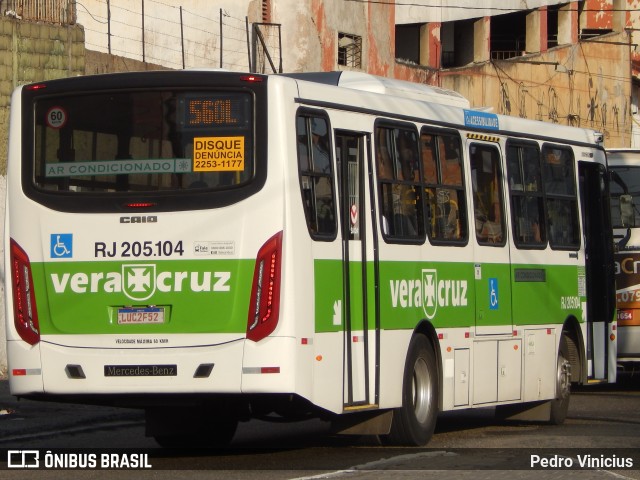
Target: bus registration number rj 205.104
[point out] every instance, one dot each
(138, 315)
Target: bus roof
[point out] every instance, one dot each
(412, 101)
(387, 86)
(393, 98)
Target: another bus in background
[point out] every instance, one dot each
(624, 166)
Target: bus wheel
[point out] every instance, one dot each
(414, 422)
(560, 405)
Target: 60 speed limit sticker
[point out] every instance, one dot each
(56, 117)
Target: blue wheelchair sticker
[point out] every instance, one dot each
(61, 245)
(493, 293)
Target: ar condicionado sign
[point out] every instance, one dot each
(218, 154)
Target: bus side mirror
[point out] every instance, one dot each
(627, 216)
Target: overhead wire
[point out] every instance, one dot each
(197, 52)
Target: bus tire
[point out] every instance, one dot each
(413, 423)
(560, 405)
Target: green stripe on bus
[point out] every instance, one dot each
(452, 295)
(211, 296)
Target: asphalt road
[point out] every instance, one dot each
(603, 425)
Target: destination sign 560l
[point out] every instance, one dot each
(213, 110)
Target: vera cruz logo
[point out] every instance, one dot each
(428, 292)
(139, 281)
(429, 282)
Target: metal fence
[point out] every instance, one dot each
(61, 12)
(178, 36)
(162, 32)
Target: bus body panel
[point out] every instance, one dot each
(350, 301)
(392, 364)
(628, 341)
(25, 367)
(271, 366)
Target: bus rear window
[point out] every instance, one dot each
(143, 141)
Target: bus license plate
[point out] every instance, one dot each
(140, 315)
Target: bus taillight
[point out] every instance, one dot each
(265, 292)
(25, 313)
(36, 86)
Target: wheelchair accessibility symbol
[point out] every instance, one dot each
(61, 245)
(493, 293)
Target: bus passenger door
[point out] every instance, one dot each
(355, 228)
(492, 270)
(598, 239)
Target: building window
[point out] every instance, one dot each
(552, 25)
(349, 50)
(408, 42)
(266, 11)
(457, 43)
(508, 35)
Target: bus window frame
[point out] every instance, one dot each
(392, 181)
(499, 164)
(575, 197)
(304, 112)
(462, 211)
(518, 143)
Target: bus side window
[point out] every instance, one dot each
(561, 200)
(444, 188)
(527, 200)
(398, 173)
(487, 194)
(316, 176)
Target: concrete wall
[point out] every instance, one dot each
(588, 88)
(173, 34)
(97, 63)
(418, 11)
(31, 52)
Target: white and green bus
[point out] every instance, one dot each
(624, 164)
(213, 247)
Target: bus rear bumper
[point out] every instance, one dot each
(54, 369)
(228, 366)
